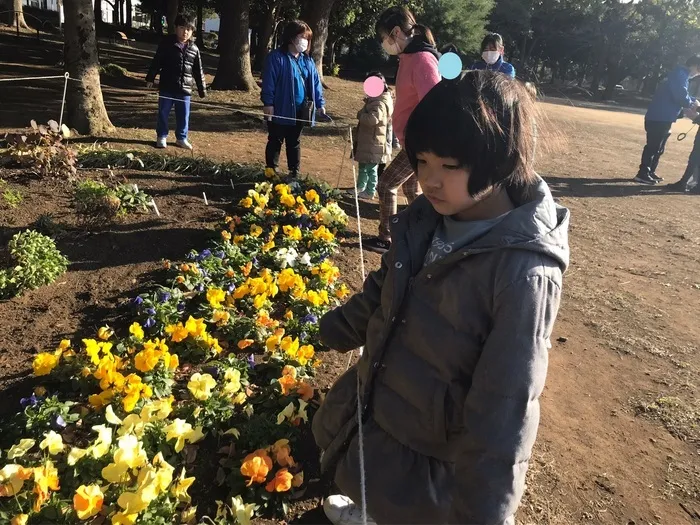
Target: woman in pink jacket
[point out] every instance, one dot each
(418, 73)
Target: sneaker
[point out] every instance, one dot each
(183, 143)
(644, 178)
(680, 187)
(367, 195)
(377, 245)
(656, 177)
(162, 142)
(341, 510)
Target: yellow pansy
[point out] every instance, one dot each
(225, 235)
(290, 346)
(20, 449)
(179, 430)
(246, 202)
(121, 518)
(221, 317)
(53, 442)
(196, 327)
(20, 519)
(177, 333)
(323, 233)
(312, 196)
(255, 230)
(75, 455)
(44, 363)
(136, 330)
(45, 480)
(12, 478)
(244, 512)
(180, 488)
(232, 376)
(88, 501)
(293, 232)
(105, 333)
(268, 246)
(146, 360)
(201, 385)
(288, 200)
(215, 296)
(103, 442)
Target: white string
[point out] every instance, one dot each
(30, 78)
(360, 433)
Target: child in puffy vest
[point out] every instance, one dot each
(455, 324)
(179, 64)
(373, 145)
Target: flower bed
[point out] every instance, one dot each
(222, 356)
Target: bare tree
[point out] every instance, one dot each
(316, 13)
(18, 14)
(234, 70)
(85, 108)
(267, 32)
(172, 9)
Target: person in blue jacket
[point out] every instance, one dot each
(289, 79)
(670, 99)
(492, 56)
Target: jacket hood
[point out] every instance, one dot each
(419, 45)
(536, 224)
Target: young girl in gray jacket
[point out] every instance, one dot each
(455, 324)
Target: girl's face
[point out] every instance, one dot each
(444, 183)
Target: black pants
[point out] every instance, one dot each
(291, 136)
(693, 168)
(657, 135)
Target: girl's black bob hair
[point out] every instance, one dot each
(484, 120)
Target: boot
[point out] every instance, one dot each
(682, 185)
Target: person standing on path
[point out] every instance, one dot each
(692, 171)
(669, 100)
(418, 73)
(290, 83)
(179, 64)
(492, 50)
(373, 144)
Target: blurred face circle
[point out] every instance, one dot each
(183, 33)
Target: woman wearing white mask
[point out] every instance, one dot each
(417, 75)
(492, 56)
(291, 95)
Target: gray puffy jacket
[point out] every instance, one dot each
(455, 361)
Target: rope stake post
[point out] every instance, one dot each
(63, 101)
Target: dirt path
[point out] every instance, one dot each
(619, 440)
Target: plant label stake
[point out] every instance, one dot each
(231, 181)
(206, 202)
(155, 208)
(136, 188)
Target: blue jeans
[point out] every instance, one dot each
(182, 115)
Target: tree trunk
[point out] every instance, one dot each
(234, 70)
(316, 13)
(200, 23)
(129, 13)
(97, 10)
(267, 33)
(157, 21)
(85, 108)
(171, 14)
(18, 14)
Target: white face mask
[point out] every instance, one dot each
(390, 47)
(490, 57)
(302, 44)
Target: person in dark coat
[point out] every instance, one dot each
(670, 99)
(180, 66)
(290, 79)
(692, 170)
(455, 324)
